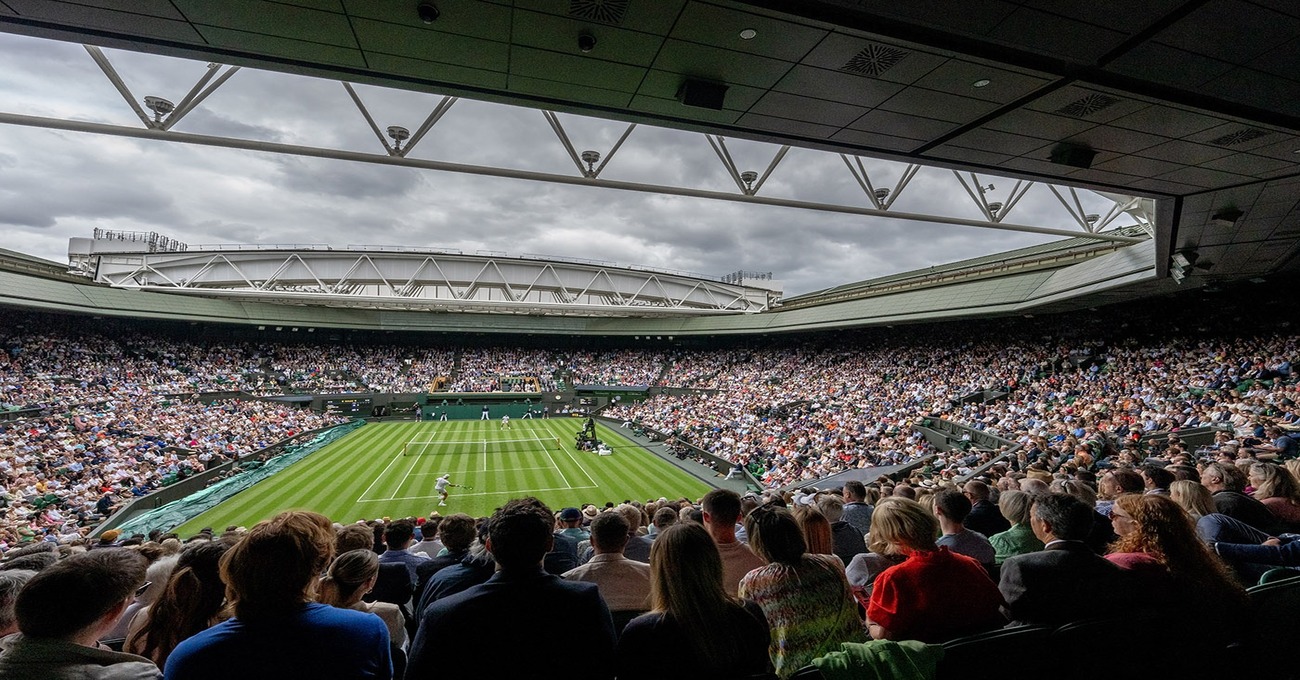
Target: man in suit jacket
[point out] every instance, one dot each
(1066, 581)
(508, 625)
(984, 517)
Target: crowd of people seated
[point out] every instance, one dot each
(62, 474)
(756, 586)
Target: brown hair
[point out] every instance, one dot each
(775, 535)
(816, 530)
(273, 569)
(347, 574)
(686, 586)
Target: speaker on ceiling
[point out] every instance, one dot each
(702, 94)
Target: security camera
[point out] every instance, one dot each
(586, 42)
(428, 12)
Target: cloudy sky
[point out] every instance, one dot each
(56, 185)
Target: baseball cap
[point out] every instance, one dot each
(570, 514)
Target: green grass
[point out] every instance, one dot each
(365, 474)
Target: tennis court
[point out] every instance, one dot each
(389, 470)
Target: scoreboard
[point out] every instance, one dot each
(349, 406)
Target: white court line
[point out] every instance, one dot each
(520, 492)
(385, 471)
(541, 467)
(547, 451)
(485, 461)
(575, 461)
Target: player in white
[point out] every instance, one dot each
(441, 487)
(505, 422)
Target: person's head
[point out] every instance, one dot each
(1192, 497)
(1060, 516)
(354, 537)
(11, 581)
(1219, 476)
(398, 535)
(1015, 506)
(1274, 481)
(1075, 488)
(976, 491)
(775, 535)
(570, 518)
(664, 517)
(686, 585)
(632, 514)
(832, 507)
(609, 533)
(1155, 525)
(816, 530)
(1155, 477)
(349, 577)
(1033, 486)
(273, 570)
(80, 595)
(191, 598)
(854, 492)
(519, 534)
(721, 508)
(457, 531)
(904, 525)
(952, 505)
(1120, 481)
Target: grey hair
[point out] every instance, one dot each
(11, 581)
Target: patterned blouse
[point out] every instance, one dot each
(809, 608)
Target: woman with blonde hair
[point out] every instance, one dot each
(1159, 544)
(710, 633)
(934, 595)
(1279, 491)
(278, 631)
(816, 530)
(1192, 497)
(351, 576)
(805, 597)
(192, 600)
(1020, 538)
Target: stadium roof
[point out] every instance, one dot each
(1193, 103)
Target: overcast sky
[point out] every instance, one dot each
(57, 185)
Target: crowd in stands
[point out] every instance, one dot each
(756, 586)
(485, 369)
(64, 473)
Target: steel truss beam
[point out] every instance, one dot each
(430, 280)
(747, 182)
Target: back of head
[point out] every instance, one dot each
(632, 514)
(69, 596)
(11, 581)
(1075, 488)
(272, 571)
(665, 517)
(457, 532)
(903, 523)
(347, 573)
(354, 537)
(774, 534)
(609, 532)
(832, 507)
(1194, 498)
(722, 506)
(1276, 482)
(685, 567)
(953, 504)
(1067, 517)
(855, 491)
(817, 535)
(191, 597)
(519, 534)
(1015, 505)
(979, 491)
(398, 534)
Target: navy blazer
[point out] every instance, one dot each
(511, 627)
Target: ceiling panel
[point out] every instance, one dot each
(445, 48)
(150, 17)
(809, 81)
(956, 75)
(721, 27)
(560, 34)
(892, 62)
(938, 105)
(724, 66)
(813, 110)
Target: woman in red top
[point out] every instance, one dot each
(934, 595)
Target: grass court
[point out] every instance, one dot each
(389, 469)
